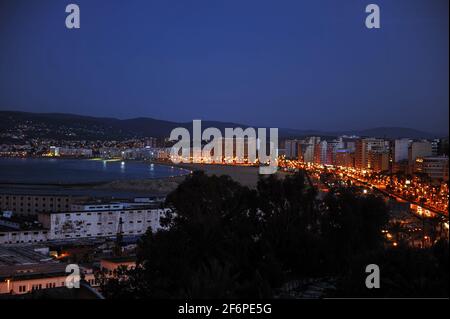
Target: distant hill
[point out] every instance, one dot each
(72, 126)
(396, 132)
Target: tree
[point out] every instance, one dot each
(405, 272)
(224, 240)
(352, 224)
(209, 249)
(289, 222)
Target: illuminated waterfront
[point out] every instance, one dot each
(418, 210)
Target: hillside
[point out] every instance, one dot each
(23, 125)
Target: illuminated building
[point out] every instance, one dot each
(378, 160)
(435, 167)
(70, 152)
(301, 148)
(332, 148)
(22, 279)
(320, 152)
(362, 148)
(344, 157)
(418, 149)
(31, 268)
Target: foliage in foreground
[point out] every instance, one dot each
(224, 240)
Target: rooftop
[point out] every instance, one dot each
(22, 255)
(96, 208)
(38, 270)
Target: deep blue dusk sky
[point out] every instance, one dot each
(301, 64)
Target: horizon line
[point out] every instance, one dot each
(231, 122)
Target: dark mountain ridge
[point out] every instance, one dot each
(58, 125)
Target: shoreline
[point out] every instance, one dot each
(246, 175)
(157, 185)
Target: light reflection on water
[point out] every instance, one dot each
(74, 171)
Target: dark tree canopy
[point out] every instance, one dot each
(224, 240)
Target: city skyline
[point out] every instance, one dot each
(224, 157)
(252, 63)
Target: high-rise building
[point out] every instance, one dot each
(332, 148)
(308, 155)
(401, 149)
(301, 148)
(307, 149)
(418, 149)
(378, 160)
(291, 147)
(344, 157)
(362, 148)
(320, 152)
(435, 147)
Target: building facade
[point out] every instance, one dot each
(23, 279)
(435, 167)
(401, 149)
(418, 149)
(88, 221)
(362, 148)
(23, 204)
(85, 221)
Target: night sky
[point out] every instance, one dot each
(299, 64)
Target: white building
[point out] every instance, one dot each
(401, 149)
(12, 236)
(308, 155)
(89, 221)
(101, 220)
